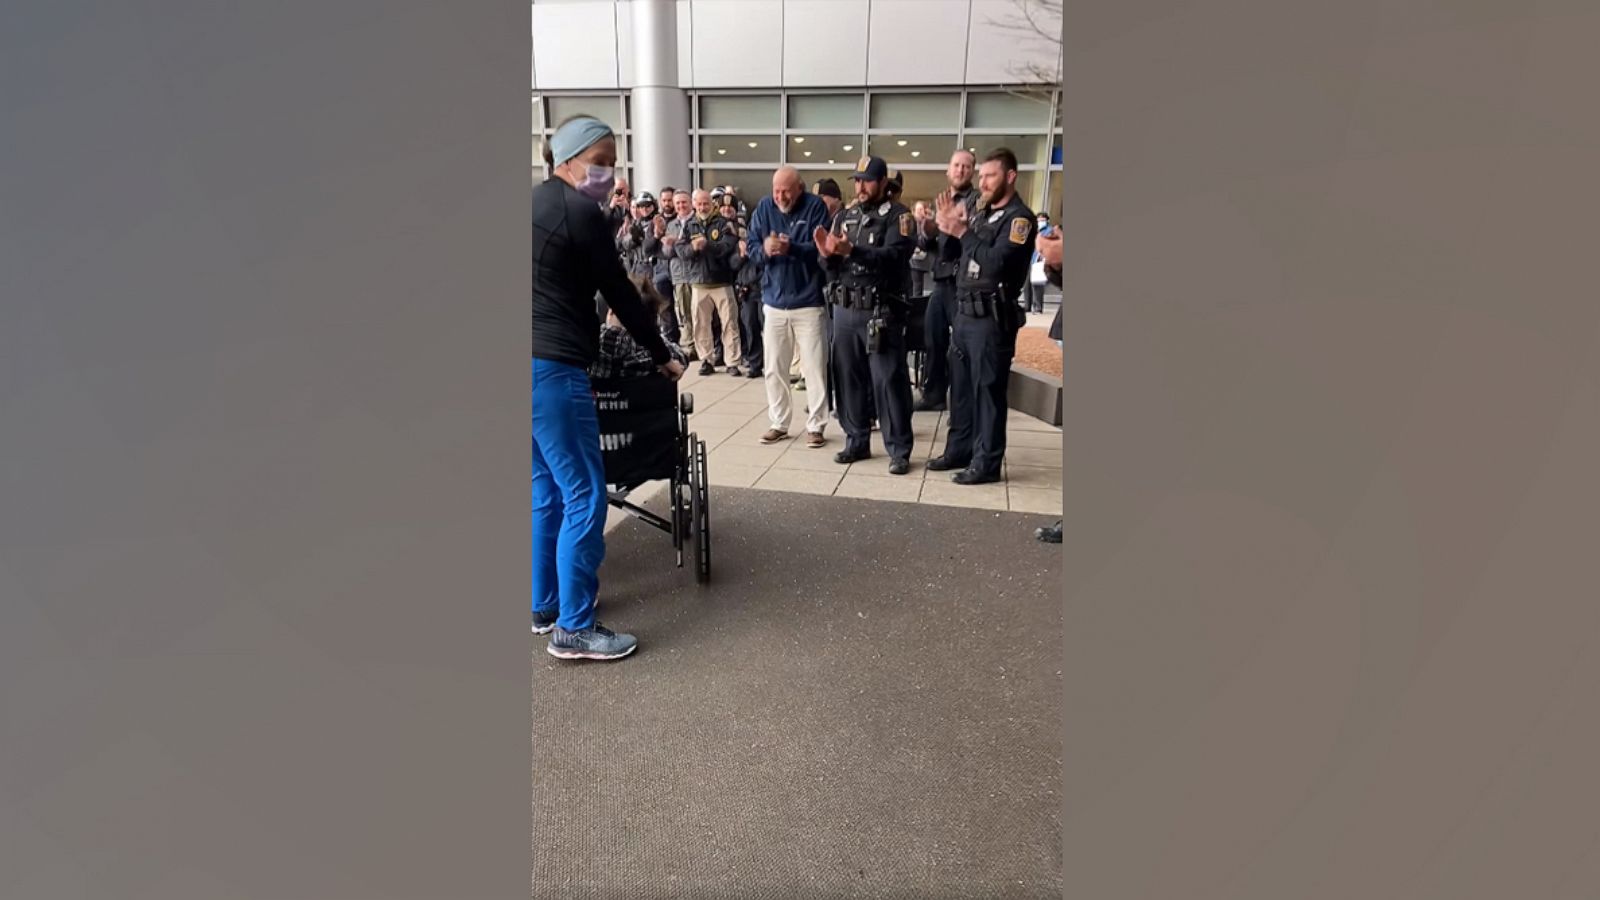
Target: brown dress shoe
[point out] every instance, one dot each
(773, 436)
(814, 440)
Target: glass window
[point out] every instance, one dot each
(1029, 148)
(841, 175)
(538, 116)
(837, 111)
(751, 184)
(744, 113)
(922, 185)
(1002, 110)
(1053, 198)
(739, 148)
(912, 149)
(916, 111)
(602, 107)
(1030, 186)
(825, 149)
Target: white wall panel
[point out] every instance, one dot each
(735, 43)
(918, 42)
(625, 76)
(574, 45)
(996, 55)
(685, 44)
(824, 43)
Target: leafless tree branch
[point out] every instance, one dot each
(1034, 21)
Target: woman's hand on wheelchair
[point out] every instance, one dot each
(672, 369)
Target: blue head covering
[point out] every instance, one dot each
(575, 137)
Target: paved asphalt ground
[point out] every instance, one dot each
(865, 702)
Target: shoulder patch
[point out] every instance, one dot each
(884, 209)
(1019, 230)
(714, 233)
(905, 224)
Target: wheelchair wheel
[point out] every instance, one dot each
(702, 514)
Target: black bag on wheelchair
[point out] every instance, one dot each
(639, 438)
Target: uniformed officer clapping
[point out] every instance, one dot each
(869, 252)
(996, 249)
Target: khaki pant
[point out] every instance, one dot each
(786, 332)
(719, 297)
(683, 299)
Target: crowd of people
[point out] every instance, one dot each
(803, 279)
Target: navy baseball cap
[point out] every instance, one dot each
(871, 168)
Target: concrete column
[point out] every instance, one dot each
(660, 106)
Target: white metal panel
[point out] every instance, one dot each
(736, 43)
(1000, 55)
(825, 43)
(574, 45)
(918, 42)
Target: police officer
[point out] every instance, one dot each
(996, 249)
(945, 253)
(869, 250)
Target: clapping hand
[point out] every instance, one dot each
(824, 241)
(1049, 247)
(699, 243)
(773, 245)
(842, 245)
(952, 215)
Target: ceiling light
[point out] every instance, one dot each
(799, 140)
(752, 145)
(901, 143)
(808, 153)
(722, 151)
(849, 147)
(830, 162)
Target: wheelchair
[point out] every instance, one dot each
(645, 436)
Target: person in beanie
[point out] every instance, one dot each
(574, 259)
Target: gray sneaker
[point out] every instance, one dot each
(597, 642)
(545, 622)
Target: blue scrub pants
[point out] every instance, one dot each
(569, 495)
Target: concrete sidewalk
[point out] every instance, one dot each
(731, 413)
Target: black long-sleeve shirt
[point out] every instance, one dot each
(574, 257)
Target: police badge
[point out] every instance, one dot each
(1019, 230)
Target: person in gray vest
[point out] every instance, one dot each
(996, 249)
(678, 266)
(867, 252)
(945, 253)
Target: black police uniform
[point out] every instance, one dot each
(945, 255)
(870, 308)
(996, 253)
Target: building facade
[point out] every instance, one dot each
(748, 85)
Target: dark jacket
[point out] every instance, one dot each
(793, 281)
(882, 238)
(574, 258)
(944, 252)
(1054, 277)
(640, 247)
(713, 264)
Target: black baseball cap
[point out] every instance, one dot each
(827, 187)
(871, 168)
(645, 199)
